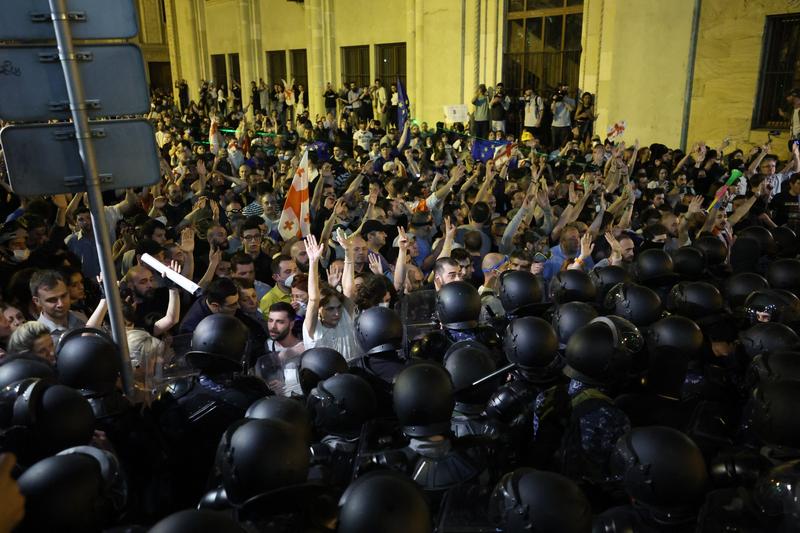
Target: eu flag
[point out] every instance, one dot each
(321, 148)
(483, 150)
(403, 110)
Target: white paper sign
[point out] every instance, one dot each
(456, 113)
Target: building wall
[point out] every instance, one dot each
(727, 70)
(451, 45)
(636, 57)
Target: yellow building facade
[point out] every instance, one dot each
(450, 45)
(676, 71)
(686, 70)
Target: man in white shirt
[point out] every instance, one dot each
(280, 366)
(562, 106)
(362, 136)
(534, 107)
(380, 109)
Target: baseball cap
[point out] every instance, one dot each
(526, 136)
(373, 225)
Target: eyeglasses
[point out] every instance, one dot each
(234, 211)
(251, 237)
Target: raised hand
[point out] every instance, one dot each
(403, 241)
(187, 240)
(375, 264)
(586, 245)
(449, 229)
(160, 202)
(346, 242)
(335, 272)
(175, 266)
(616, 247)
(695, 205)
(314, 249)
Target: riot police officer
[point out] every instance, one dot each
(194, 412)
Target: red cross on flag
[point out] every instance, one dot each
(502, 154)
(295, 219)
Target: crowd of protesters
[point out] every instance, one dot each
(400, 210)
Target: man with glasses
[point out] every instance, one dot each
(251, 245)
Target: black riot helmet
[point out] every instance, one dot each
(781, 365)
(767, 337)
(21, 368)
(379, 330)
(458, 305)
(219, 343)
(784, 274)
(661, 468)
(197, 521)
(259, 456)
(713, 248)
(284, 409)
(317, 364)
(786, 241)
(519, 290)
(467, 362)
(763, 236)
(677, 332)
(531, 343)
(115, 484)
(341, 404)
(67, 493)
(423, 399)
(694, 299)
(689, 262)
(572, 286)
(534, 501)
(88, 360)
(776, 496)
(568, 317)
(603, 278)
(636, 303)
(383, 501)
(773, 410)
(739, 286)
(57, 417)
(770, 304)
(602, 352)
(654, 267)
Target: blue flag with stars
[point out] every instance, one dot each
(321, 148)
(483, 150)
(403, 108)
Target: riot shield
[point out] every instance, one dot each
(418, 312)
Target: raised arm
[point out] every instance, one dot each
(314, 251)
(401, 267)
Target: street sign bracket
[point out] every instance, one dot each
(96, 133)
(80, 181)
(72, 16)
(52, 57)
(64, 106)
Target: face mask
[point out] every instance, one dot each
(383, 304)
(21, 255)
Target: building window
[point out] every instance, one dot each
(390, 63)
(276, 66)
(543, 44)
(299, 68)
(355, 65)
(780, 71)
(218, 70)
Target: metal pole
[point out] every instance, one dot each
(66, 53)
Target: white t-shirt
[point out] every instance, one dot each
(340, 338)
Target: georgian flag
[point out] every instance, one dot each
(295, 219)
